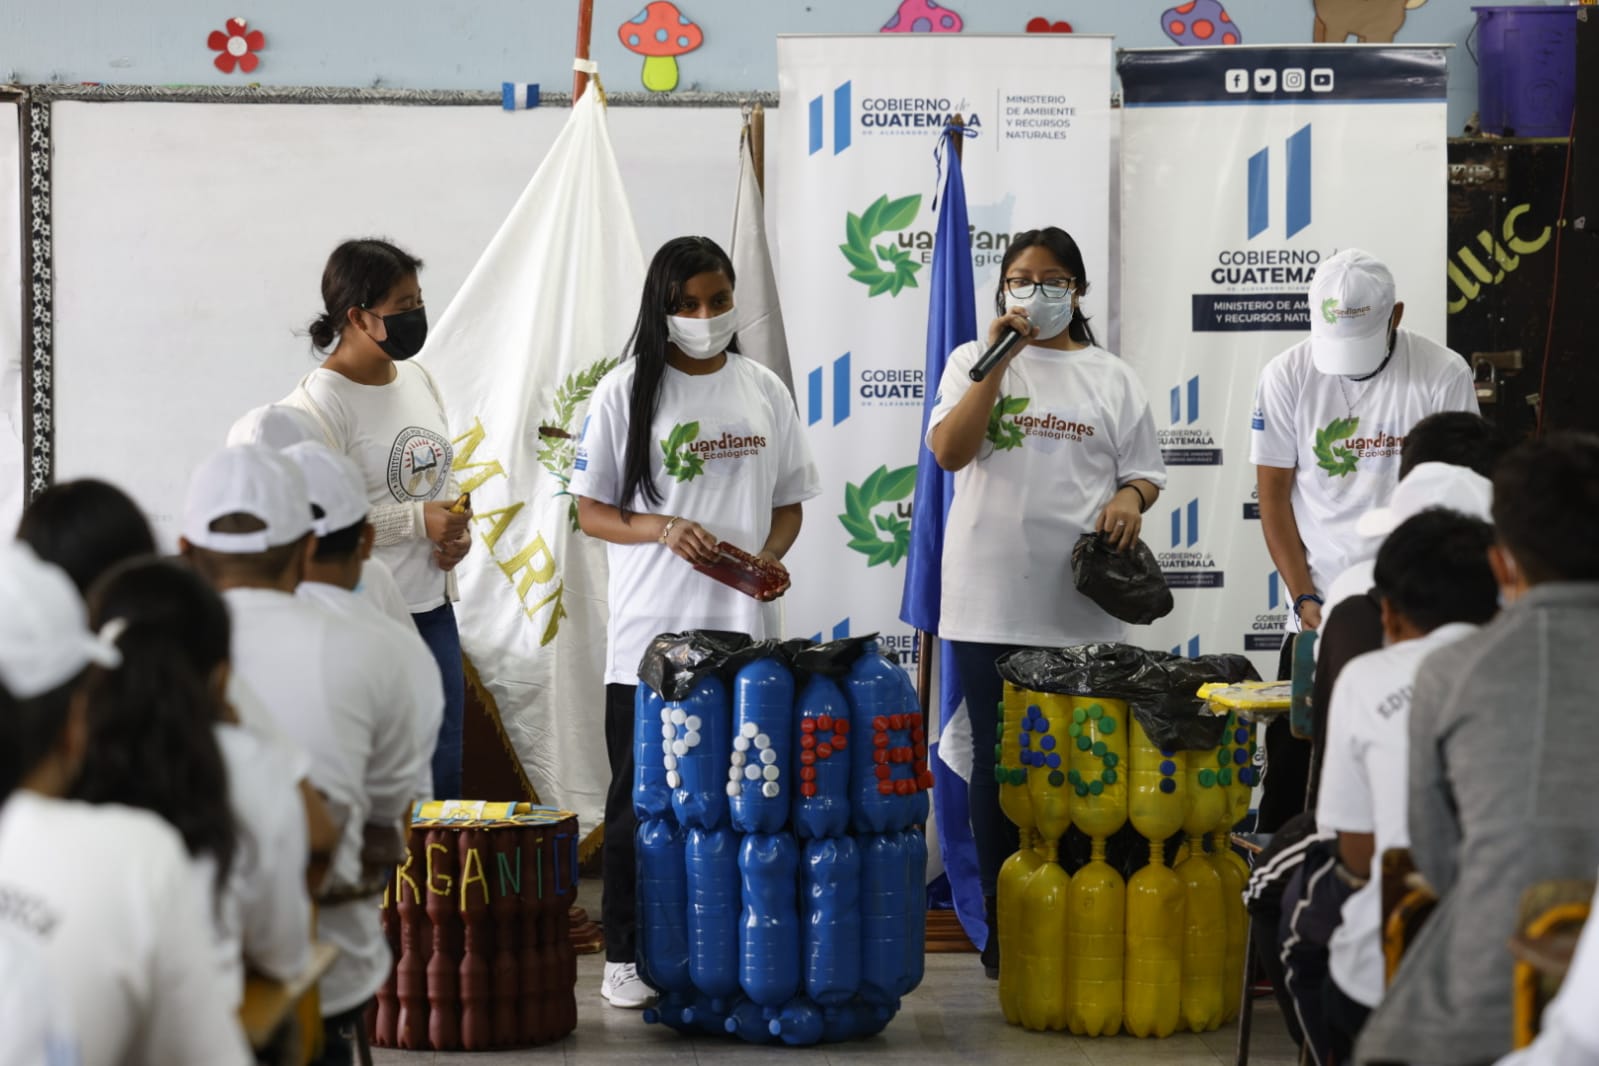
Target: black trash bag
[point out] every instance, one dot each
(1159, 687)
(833, 659)
(1127, 585)
(674, 663)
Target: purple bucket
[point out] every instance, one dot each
(1527, 81)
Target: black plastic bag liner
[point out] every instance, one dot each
(1127, 585)
(675, 662)
(833, 659)
(1160, 687)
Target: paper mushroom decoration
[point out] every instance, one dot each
(923, 16)
(660, 33)
(1201, 22)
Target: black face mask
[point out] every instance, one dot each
(406, 333)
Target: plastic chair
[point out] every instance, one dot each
(1552, 916)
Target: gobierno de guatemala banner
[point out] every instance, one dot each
(1244, 168)
(859, 121)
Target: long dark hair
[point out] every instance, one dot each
(85, 527)
(151, 739)
(30, 729)
(359, 274)
(1058, 243)
(678, 260)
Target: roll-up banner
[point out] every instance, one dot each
(859, 120)
(1244, 168)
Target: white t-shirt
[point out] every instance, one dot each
(1364, 780)
(34, 1027)
(379, 588)
(1343, 437)
(408, 651)
(1070, 428)
(106, 894)
(399, 437)
(264, 921)
(737, 453)
(332, 687)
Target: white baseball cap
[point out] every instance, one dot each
(44, 631)
(1351, 304)
(249, 479)
(275, 425)
(333, 483)
(1428, 485)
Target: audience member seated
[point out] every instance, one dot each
(329, 685)
(1435, 587)
(1502, 751)
(104, 892)
(162, 738)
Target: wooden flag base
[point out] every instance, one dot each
(945, 935)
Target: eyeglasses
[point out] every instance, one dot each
(1023, 288)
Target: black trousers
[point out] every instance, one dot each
(339, 1038)
(1345, 1018)
(619, 905)
(1283, 790)
(994, 835)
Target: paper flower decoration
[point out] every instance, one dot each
(923, 16)
(660, 33)
(1043, 25)
(1201, 22)
(237, 46)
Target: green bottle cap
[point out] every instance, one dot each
(1111, 758)
(1207, 778)
(1099, 748)
(1109, 777)
(1083, 743)
(1107, 725)
(1096, 787)
(1096, 711)
(1079, 715)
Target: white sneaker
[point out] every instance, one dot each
(624, 988)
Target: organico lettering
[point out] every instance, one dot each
(1508, 259)
(533, 564)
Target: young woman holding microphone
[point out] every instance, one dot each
(1057, 440)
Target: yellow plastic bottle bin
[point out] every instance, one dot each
(1046, 910)
(1012, 894)
(1205, 938)
(1096, 931)
(1237, 780)
(1010, 774)
(1156, 900)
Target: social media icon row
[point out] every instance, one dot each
(1290, 80)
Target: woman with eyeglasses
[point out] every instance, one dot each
(1056, 441)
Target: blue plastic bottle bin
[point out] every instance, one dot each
(1527, 81)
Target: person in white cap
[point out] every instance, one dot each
(1330, 417)
(103, 892)
(343, 550)
(277, 425)
(247, 527)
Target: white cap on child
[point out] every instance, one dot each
(1429, 485)
(275, 425)
(249, 479)
(44, 631)
(334, 484)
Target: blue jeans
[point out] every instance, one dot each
(444, 641)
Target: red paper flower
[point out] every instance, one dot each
(237, 46)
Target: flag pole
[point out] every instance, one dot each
(925, 641)
(585, 33)
(758, 145)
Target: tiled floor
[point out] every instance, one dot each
(952, 1018)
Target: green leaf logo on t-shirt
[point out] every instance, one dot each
(1003, 432)
(877, 531)
(1338, 461)
(681, 464)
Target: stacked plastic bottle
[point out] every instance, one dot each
(1086, 951)
(780, 851)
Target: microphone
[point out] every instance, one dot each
(997, 352)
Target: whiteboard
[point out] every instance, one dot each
(13, 454)
(190, 240)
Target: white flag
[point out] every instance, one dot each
(543, 315)
(760, 316)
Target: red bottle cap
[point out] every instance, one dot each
(839, 741)
(824, 751)
(825, 722)
(807, 725)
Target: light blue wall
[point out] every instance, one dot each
(477, 44)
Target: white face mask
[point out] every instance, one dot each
(702, 338)
(1050, 316)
